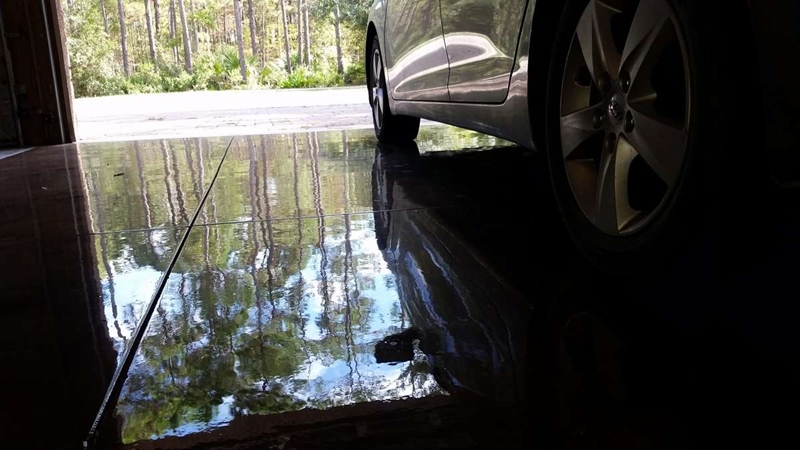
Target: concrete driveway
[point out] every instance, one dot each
(220, 113)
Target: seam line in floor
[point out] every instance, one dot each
(120, 375)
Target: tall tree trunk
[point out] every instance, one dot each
(286, 37)
(316, 190)
(187, 45)
(173, 25)
(123, 39)
(166, 150)
(263, 36)
(157, 11)
(224, 26)
(237, 10)
(109, 269)
(105, 15)
(251, 11)
(193, 27)
(150, 38)
(338, 30)
(299, 32)
(308, 33)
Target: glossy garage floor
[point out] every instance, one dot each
(193, 282)
(317, 290)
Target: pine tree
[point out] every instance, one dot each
(150, 37)
(338, 30)
(123, 39)
(286, 37)
(237, 5)
(105, 15)
(187, 46)
(252, 14)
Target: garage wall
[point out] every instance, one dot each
(38, 79)
(9, 134)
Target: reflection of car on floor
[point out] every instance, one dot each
(648, 110)
(579, 370)
(472, 342)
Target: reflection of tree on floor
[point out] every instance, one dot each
(148, 216)
(107, 266)
(242, 328)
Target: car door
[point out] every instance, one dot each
(416, 58)
(481, 38)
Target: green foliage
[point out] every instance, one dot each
(94, 69)
(304, 77)
(96, 64)
(355, 74)
(353, 13)
(273, 74)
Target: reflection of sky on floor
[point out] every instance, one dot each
(324, 375)
(137, 285)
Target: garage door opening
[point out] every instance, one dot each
(145, 69)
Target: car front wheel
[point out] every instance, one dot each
(638, 112)
(389, 128)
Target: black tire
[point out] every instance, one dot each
(389, 128)
(715, 71)
(387, 159)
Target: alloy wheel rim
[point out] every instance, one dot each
(624, 112)
(377, 89)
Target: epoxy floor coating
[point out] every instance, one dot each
(318, 290)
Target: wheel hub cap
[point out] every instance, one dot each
(616, 109)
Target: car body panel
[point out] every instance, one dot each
(508, 119)
(481, 38)
(416, 59)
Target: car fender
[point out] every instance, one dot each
(377, 19)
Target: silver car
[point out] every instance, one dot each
(636, 103)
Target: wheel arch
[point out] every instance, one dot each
(372, 33)
(376, 27)
(546, 18)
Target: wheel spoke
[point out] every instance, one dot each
(660, 144)
(377, 115)
(650, 17)
(376, 68)
(624, 156)
(576, 128)
(379, 108)
(597, 43)
(606, 194)
(377, 90)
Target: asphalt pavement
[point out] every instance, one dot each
(221, 113)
